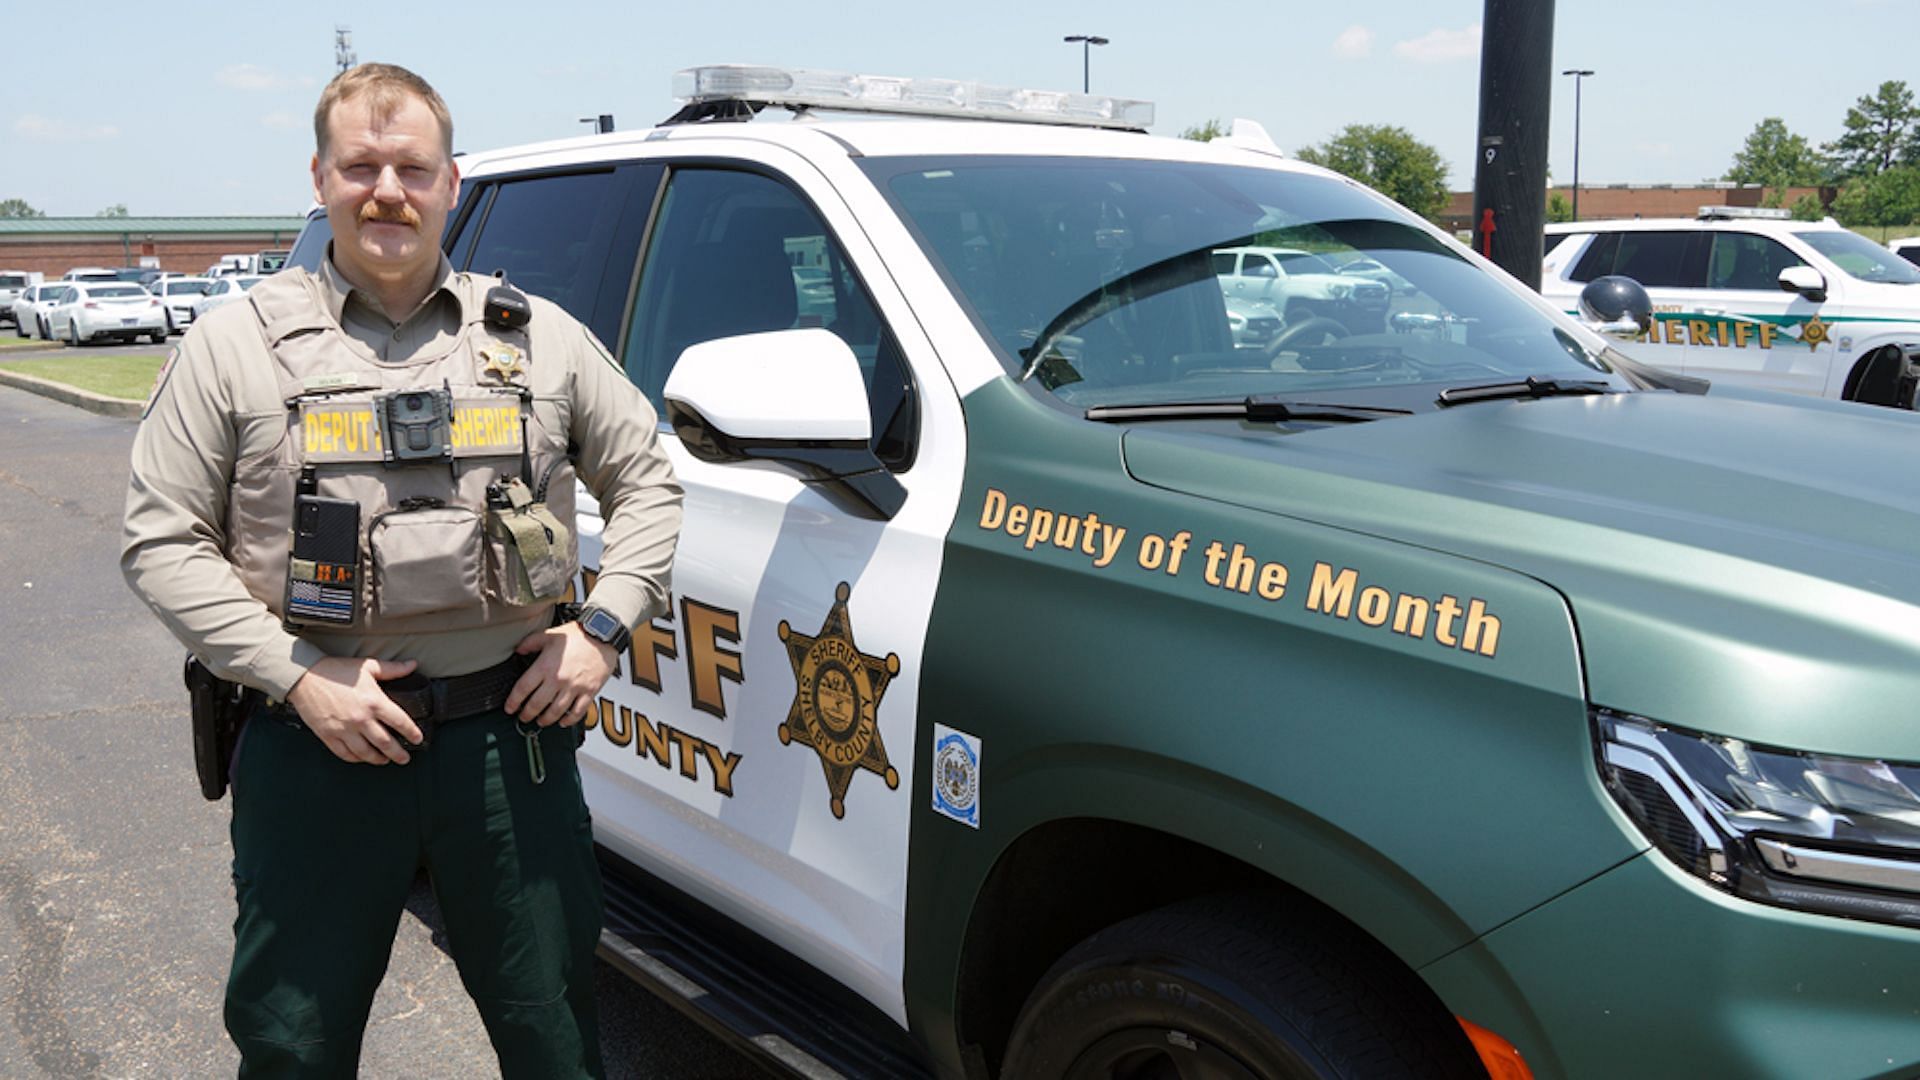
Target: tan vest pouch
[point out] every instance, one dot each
(425, 559)
(534, 547)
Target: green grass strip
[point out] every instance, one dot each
(125, 376)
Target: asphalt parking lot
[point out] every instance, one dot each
(115, 902)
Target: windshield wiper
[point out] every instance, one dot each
(1529, 387)
(1256, 407)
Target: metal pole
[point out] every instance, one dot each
(1579, 75)
(1087, 42)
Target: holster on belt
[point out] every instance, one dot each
(219, 710)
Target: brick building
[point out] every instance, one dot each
(54, 245)
(1605, 202)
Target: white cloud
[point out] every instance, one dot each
(48, 129)
(1440, 46)
(1353, 43)
(253, 77)
(281, 119)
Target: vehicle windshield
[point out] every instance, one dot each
(115, 292)
(12, 281)
(180, 288)
(1098, 280)
(246, 282)
(1860, 257)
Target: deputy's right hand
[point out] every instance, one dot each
(341, 700)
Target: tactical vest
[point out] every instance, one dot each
(434, 552)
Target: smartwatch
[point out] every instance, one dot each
(603, 625)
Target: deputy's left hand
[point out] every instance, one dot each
(565, 678)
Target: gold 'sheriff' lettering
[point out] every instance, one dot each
(707, 660)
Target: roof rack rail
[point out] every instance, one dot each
(735, 92)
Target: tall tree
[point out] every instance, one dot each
(17, 208)
(1880, 131)
(1777, 158)
(116, 210)
(1390, 160)
(1888, 197)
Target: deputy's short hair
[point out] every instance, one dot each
(385, 88)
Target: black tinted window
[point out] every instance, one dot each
(551, 235)
(739, 253)
(1597, 260)
(1664, 259)
(1747, 261)
(311, 246)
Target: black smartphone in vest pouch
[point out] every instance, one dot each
(323, 577)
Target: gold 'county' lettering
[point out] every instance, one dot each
(682, 752)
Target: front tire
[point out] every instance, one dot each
(1234, 988)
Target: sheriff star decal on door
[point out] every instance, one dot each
(836, 701)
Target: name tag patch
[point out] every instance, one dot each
(336, 431)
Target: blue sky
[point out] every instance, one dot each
(206, 109)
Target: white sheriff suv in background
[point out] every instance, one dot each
(1746, 296)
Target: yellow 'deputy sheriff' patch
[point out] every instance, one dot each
(836, 701)
(333, 431)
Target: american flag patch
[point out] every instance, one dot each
(322, 603)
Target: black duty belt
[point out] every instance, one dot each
(436, 701)
(432, 702)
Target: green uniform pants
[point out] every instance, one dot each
(325, 853)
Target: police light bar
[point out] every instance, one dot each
(796, 88)
(1729, 213)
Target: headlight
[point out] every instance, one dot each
(1339, 292)
(1830, 834)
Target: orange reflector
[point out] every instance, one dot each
(1503, 1062)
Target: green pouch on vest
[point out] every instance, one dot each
(536, 540)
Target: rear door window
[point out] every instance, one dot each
(553, 235)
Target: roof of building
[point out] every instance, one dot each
(117, 225)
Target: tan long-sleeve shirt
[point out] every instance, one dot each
(219, 401)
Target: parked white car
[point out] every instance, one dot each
(90, 273)
(12, 284)
(178, 295)
(223, 290)
(88, 311)
(30, 310)
(1301, 285)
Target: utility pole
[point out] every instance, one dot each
(343, 54)
(1510, 159)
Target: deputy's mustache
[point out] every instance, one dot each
(392, 215)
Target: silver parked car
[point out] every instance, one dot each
(88, 311)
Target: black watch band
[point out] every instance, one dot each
(603, 625)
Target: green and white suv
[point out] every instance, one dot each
(1054, 687)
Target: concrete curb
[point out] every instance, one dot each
(72, 395)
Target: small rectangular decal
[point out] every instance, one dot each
(956, 775)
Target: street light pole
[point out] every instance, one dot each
(1087, 42)
(1578, 74)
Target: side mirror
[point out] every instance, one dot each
(790, 396)
(1806, 281)
(1616, 306)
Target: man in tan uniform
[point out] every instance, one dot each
(366, 475)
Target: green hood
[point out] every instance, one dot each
(1746, 565)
